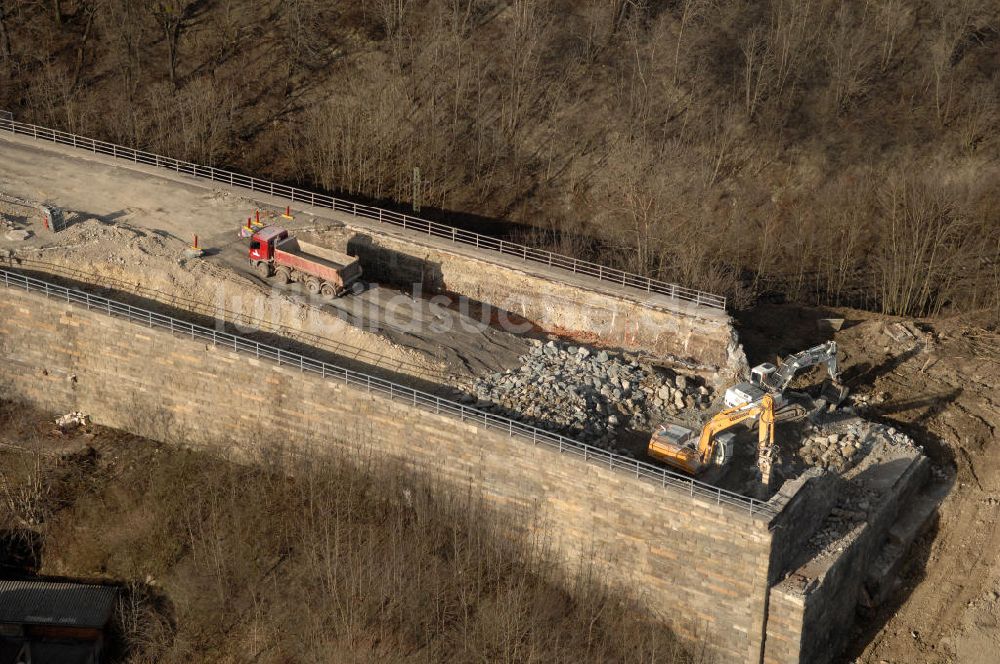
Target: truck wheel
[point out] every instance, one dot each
(283, 276)
(312, 286)
(328, 290)
(264, 270)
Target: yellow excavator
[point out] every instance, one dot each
(682, 449)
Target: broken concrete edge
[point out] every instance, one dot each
(813, 602)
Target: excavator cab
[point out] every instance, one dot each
(678, 446)
(761, 374)
(770, 379)
(693, 452)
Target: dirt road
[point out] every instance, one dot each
(93, 194)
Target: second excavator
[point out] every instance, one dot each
(772, 380)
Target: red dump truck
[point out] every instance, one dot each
(274, 253)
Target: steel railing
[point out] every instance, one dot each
(423, 226)
(238, 319)
(394, 391)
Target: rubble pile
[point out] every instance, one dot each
(71, 421)
(850, 512)
(856, 500)
(830, 451)
(838, 451)
(587, 395)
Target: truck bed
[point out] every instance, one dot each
(325, 263)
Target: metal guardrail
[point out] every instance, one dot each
(394, 391)
(236, 318)
(430, 228)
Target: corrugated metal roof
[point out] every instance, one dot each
(56, 603)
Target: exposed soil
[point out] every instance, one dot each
(937, 382)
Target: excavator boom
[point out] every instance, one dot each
(767, 378)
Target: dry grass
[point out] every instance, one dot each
(748, 148)
(277, 559)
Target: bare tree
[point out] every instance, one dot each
(756, 69)
(691, 10)
(392, 15)
(892, 18)
(925, 241)
(171, 16)
(122, 26)
(980, 118)
(304, 30)
(4, 33)
(791, 38)
(88, 9)
(849, 59)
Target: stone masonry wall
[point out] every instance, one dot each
(810, 621)
(702, 567)
(621, 317)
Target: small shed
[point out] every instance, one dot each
(54, 621)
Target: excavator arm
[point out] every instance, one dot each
(767, 453)
(791, 366)
(724, 420)
(671, 443)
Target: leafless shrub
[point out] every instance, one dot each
(979, 119)
(142, 630)
(24, 492)
(238, 560)
(849, 58)
(926, 241)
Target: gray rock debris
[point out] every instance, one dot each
(839, 451)
(585, 395)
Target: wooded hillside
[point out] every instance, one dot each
(827, 152)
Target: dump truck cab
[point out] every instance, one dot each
(262, 243)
